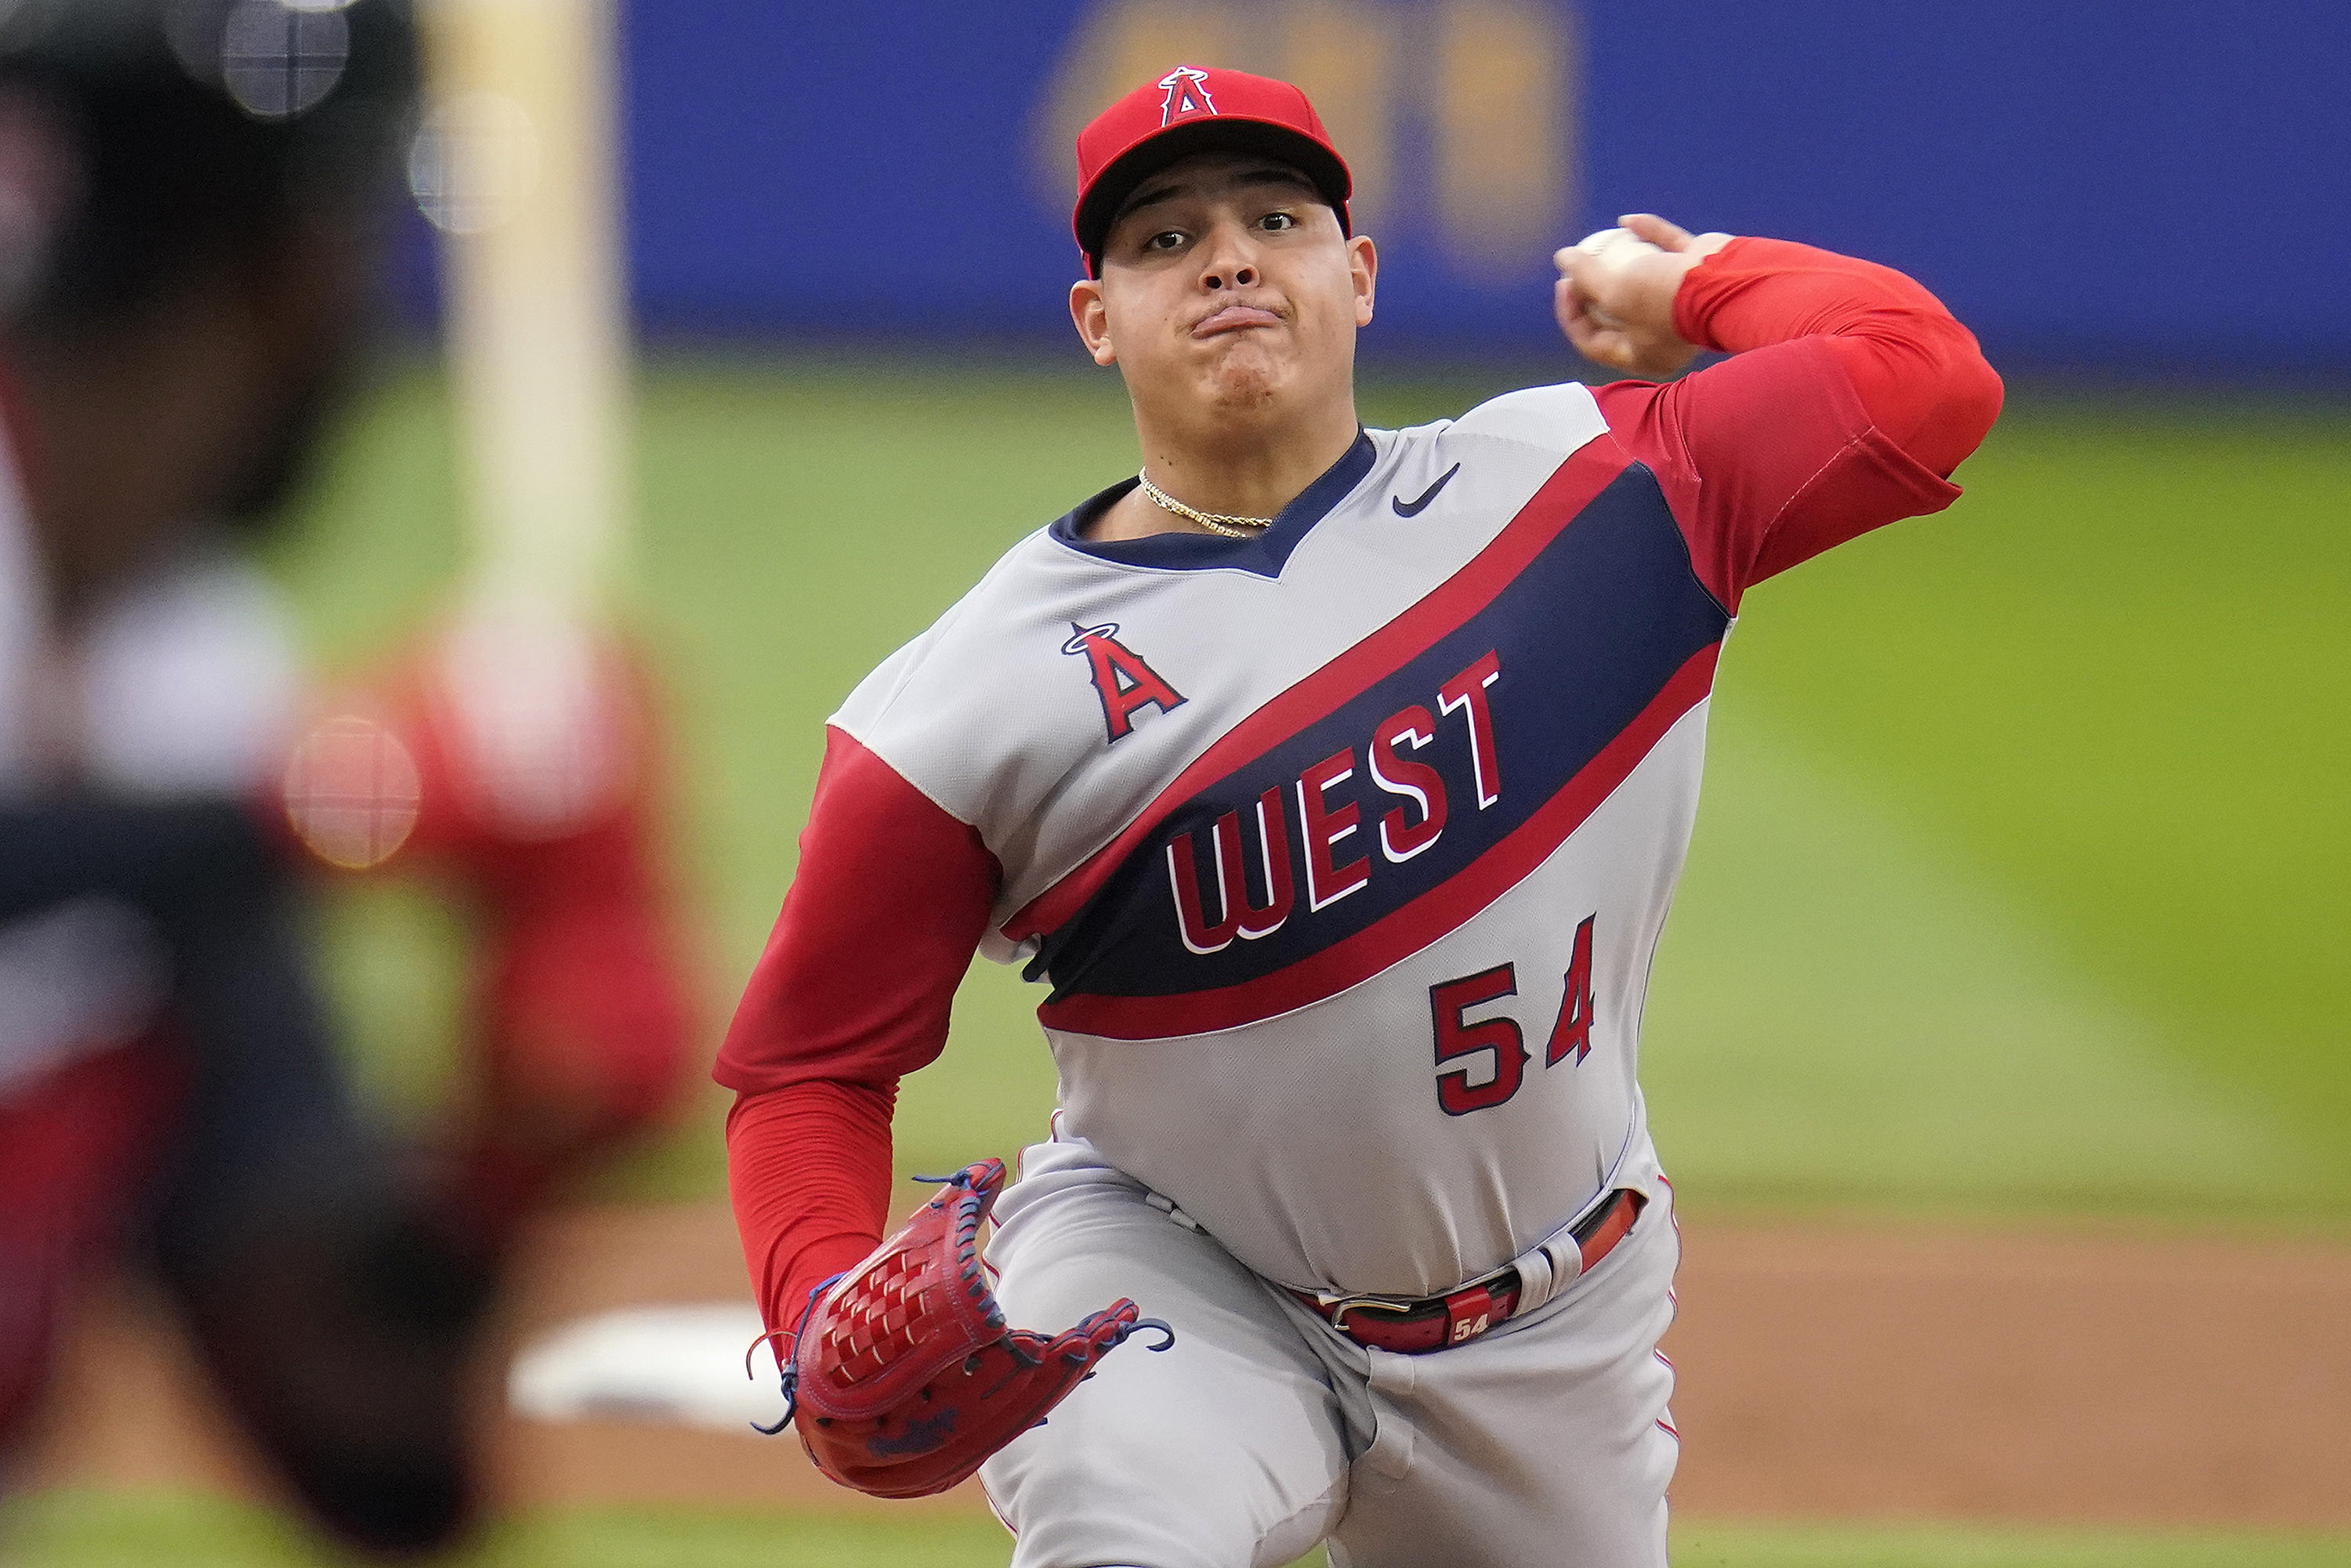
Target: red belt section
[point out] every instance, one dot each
(1437, 1322)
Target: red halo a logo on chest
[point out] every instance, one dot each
(1121, 679)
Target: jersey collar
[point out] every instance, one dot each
(1265, 554)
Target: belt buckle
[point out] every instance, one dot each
(1340, 1308)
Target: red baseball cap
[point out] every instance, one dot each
(1193, 111)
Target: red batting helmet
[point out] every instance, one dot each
(1193, 111)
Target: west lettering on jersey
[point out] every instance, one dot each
(1121, 679)
(1330, 871)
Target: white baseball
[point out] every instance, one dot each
(1598, 243)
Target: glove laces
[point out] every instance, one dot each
(789, 1363)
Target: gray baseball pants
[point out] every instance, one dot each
(1546, 1443)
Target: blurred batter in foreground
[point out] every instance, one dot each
(1337, 782)
(192, 197)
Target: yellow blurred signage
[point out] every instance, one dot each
(1487, 86)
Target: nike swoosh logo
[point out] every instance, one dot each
(1405, 509)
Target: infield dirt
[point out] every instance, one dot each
(1846, 1372)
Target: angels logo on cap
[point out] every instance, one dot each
(1187, 93)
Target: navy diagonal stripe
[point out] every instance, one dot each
(1587, 634)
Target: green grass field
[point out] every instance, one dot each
(2017, 894)
(96, 1531)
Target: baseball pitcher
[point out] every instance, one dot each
(1335, 781)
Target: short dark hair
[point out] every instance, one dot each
(198, 132)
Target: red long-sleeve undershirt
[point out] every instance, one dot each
(808, 1168)
(1916, 371)
(1852, 395)
(824, 1032)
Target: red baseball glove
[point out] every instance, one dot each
(903, 1377)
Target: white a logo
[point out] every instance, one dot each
(1187, 93)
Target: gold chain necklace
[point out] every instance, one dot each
(1224, 523)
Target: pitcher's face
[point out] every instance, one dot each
(1227, 283)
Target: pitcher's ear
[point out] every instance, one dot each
(1363, 266)
(1090, 316)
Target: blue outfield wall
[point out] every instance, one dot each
(2151, 188)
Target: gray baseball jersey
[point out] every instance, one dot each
(1343, 850)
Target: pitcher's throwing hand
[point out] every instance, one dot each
(1614, 298)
